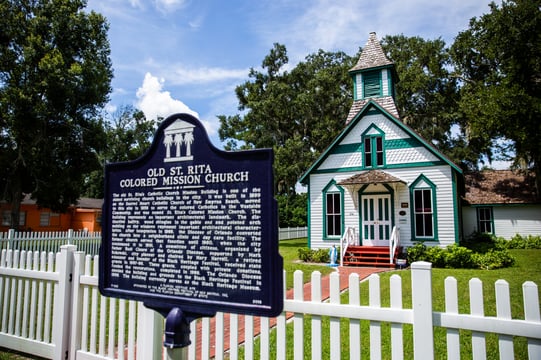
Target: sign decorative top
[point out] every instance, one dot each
(190, 226)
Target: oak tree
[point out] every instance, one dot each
(55, 75)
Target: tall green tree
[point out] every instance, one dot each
(427, 94)
(498, 61)
(128, 136)
(55, 75)
(296, 112)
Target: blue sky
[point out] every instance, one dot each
(174, 56)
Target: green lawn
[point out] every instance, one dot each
(527, 268)
(289, 251)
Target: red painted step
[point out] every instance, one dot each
(376, 256)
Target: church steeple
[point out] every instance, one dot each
(374, 77)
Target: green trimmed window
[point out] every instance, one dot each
(424, 214)
(373, 147)
(373, 151)
(333, 210)
(485, 220)
(333, 214)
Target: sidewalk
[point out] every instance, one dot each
(344, 272)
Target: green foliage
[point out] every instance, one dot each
(316, 256)
(523, 242)
(497, 61)
(292, 209)
(481, 242)
(426, 94)
(56, 74)
(297, 113)
(128, 135)
(461, 257)
(494, 259)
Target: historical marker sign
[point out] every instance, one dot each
(190, 226)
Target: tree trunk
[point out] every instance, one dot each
(16, 199)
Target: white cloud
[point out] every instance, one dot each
(155, 102)
(345, 25)
(182, 75)
(167, 6)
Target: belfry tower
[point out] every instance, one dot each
(374, 78)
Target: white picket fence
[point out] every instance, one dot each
(50, 307)
(50, 241)
(88, 242)
(292, 233)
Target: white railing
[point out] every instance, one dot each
(51, 241)
(394, 243)
(46, 315)
(347, 239)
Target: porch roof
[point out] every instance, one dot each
(371, 177)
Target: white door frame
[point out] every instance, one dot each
(375, 221)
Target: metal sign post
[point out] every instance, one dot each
(190, 230)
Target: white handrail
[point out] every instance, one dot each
(394, 243)
(347, 239)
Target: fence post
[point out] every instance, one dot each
(62, 302)
(70, 236)
(150, 329)
(77, 308)
(11, 235)
(421, 294)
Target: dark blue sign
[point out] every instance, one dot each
(190, 226)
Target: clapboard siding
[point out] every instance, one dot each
(508, 220)
(441, 176)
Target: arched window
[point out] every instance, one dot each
(424, 214)
(333, 211)
(373, 147)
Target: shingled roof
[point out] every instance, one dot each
(500, 187)
(372, 55)
(370, 177)
(386, 102)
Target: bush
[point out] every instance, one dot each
(461, 257)
(494, 259)
(523, 242)
(317, 256)
(482, 242)
(416, 253)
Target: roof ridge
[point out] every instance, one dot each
(372, 55)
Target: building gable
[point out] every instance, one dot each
(401, 146)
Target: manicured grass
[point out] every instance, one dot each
(289, 251)
(527, 268)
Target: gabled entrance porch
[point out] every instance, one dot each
(376, 239)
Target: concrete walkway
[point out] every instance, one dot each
(344, 272)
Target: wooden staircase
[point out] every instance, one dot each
(374, 256)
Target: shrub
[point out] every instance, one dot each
(481, 242)
(416, 253)
(494, 259)
(318, 256)
(524, 242)
(304, 254)
(436, 256)
(321, 256)
(461, 257)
